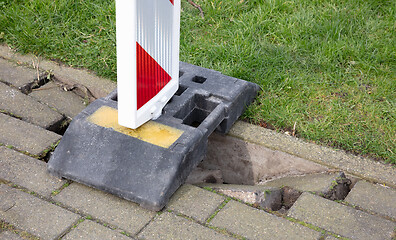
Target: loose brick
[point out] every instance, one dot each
(195, 202)
(257, 224)
(34, 215)
(16, 75)
(373, 197)
(169, 226)
(26, 107)
(27, 172)
(340, 219)
(25, 136)
(90, 230)
(64, 102)
(106, 207)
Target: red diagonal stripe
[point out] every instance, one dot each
(151, 77)
(171, 1)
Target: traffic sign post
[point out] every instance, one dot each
(147, 58)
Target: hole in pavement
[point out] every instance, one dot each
(199, 79)
(43, 79)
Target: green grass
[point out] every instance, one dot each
(328, 67)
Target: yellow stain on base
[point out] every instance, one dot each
(151, 132)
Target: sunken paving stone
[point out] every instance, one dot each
(89, 230)
(105, 207)
(170, 226)
(195, 202)
(16, 75)
(65, 102)
(34, 215)
(340, 219)
(25, 136)
(27, 172)
(374, 197)
(27, 108)
(252, 223)
(9, 235)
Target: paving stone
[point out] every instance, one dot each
(89, 230)
(340, 219)
(14, 74)
(27, 172)
(106, 207)
(64, 102)
(252, 223)
(333, 186)
(195, 202)
(34, 215)
(26, 107)
(373, 197)
(25, 136)
(170, 226)
(9, 236)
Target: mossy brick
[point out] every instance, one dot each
(170, 226)
(27, 172)
(373, 197)
(195, 202)
(25, 136)
(7, 235)
(27, 108)
(340, 219)
(15, 75)
(33, 215)
(253, 223)
(65, 102)
(89, 230)
(105, 207)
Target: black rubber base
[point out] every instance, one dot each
(146, 173)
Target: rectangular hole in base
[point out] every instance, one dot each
(199, 79)
(196, 110)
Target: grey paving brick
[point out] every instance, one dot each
(195, 202)
(252, 223)
(9, 236)
(26, 107)
(106, 207)
(170, 226)
(14, 74)
(64, 102)
(373, 197)
(27, 172)
(340, 219)
(25, 136)
(311, 182)
(89, 230)
(34, 215)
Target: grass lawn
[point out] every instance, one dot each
(327, 68)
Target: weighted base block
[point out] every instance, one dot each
(147, 165)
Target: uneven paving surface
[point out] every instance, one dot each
(35, 205)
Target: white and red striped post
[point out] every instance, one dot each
(147, 58)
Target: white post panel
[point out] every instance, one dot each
(148, 34)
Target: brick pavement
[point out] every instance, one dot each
(35, 205)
